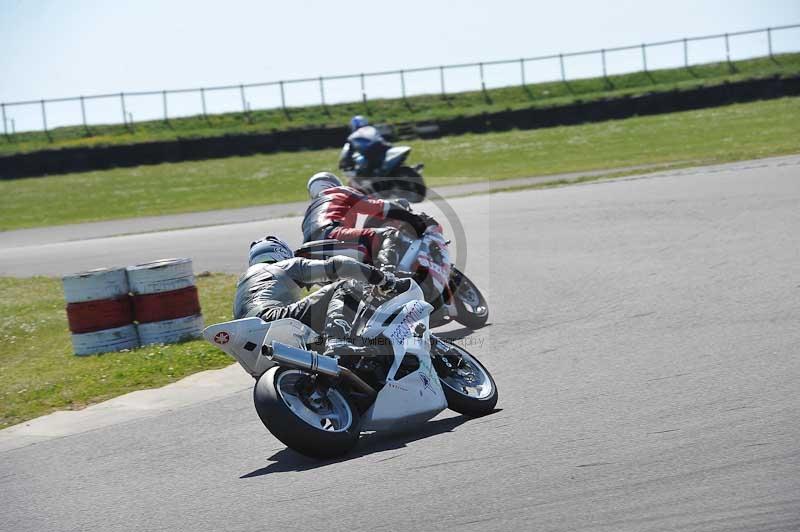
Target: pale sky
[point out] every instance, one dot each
(51, 49)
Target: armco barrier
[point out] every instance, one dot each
(67, 160)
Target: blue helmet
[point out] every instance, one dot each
(269, 249)
(357, 122)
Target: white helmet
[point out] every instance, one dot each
(321, 181)
(269, 249)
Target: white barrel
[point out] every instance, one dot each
(92, 285)
(160, 276)
(170, 331)
(106, 340)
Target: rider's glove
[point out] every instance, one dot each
(425, 222)
(429, 221)
(421, 222)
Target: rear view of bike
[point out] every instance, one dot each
(393, 179)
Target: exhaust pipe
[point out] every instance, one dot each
(286, 355)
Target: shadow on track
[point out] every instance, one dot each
(455, 334)
(287, 460)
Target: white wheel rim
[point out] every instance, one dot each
(469, 296)
(328, 413)
(471, 380)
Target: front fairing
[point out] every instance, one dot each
(434, 255)
(405, 398)
(409, 306)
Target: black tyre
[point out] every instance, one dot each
(411, 186)
(472, 308)
(468, 386)
(312, 422)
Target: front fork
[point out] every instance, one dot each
(444, 308)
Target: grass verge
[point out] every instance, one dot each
(412, 109)
(39, 373)
(735, 132)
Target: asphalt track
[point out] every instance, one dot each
(644, 335)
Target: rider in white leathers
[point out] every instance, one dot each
(271, 289)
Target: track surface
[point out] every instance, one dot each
(644, 338)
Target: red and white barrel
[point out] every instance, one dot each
(99, 311)
(165, 301)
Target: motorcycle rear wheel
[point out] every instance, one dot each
(316, 422)
(411, 186)
(468, 386)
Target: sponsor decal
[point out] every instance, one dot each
(413, 314)
(426, 383)
(222, 338)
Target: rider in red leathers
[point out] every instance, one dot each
(343, 213)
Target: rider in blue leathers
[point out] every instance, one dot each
(365, 148)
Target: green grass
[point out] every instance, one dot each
(729, 133)
(39, 373)
(414, 109)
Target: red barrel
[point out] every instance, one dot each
(166, 305)
(91, 316)
(99, 311)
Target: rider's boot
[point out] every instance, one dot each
(339, 338)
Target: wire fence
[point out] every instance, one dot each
(452, 78)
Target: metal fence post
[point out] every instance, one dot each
(686, 52)
(522, 71)
(283, 98)
(203, 102)
(727, 49)
(44, 121)
(245, 106)
(769, 42)
(164, 101)
(483, 85)
(563, 72)
(644, 56)
(441, 81)
(403, 84)
(603, 59)
(363, 90)
(244, 101)
(322, 91)
(124, 111)
(83, 115)
(5, 121)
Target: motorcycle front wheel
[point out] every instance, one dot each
(472, 308)
(468, 386)
(310, 417)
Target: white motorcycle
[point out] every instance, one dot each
(318, 405)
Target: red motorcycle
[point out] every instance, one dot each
(427, 260)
